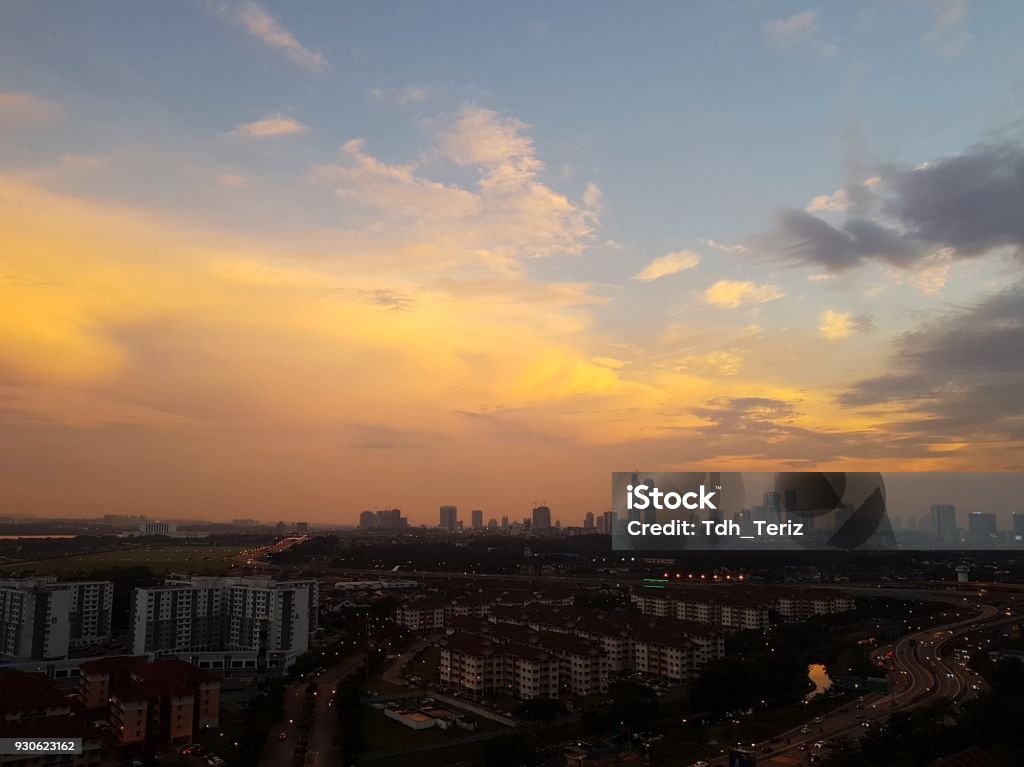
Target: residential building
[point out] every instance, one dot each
(159, 704)
(421, 615)
(269, 622)
(33, 708)
(42, 618)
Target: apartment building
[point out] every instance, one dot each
(583, 665)
(33, 708)
(99, 679)
(42, 619)
(421, 615)
(238, 622)
(156, 704)
(476, 664)
(667, 656)
(619, 635)
(739, 608)
(91, 606)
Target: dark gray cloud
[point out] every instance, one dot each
(806, 239)
(962, 374)
(970, 203)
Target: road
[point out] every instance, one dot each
(924, 676)
(393, 673)
(281, 753)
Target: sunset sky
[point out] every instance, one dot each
(293, 260)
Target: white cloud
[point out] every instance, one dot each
(731, 294)
(592, 197)
(727, 248)
(498, 145)
(255, 19)
(929, 274)
(835, 326)
(799, 29)
(670, 263)
(837, 202)
(393, 189)
(269, 126)
(509, 215)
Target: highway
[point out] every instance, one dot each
(924, 676)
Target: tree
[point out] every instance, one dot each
(541, 710)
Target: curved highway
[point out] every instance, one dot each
(923, 675)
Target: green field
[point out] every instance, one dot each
(193, 558)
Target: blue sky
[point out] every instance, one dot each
(517, 169)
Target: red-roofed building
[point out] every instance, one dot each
(478, 664)
(151, 704)
(29, 697)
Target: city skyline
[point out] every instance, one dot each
(276, 262)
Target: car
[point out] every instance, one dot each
(804, 730)
(700, 764)
(819, 719)
(282, 735)
(802, 747)
(865, 723)
(820, 744)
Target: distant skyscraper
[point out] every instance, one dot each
(477, 516)
(943, 519)
(981, 526)
(391, 519)
(1018, 524)
(541, 519)
(588, 521)
(772, 506)
(608, 522)
(790, 498)
(449, 518)
(367, 520)
(504, 522)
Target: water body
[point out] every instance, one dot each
(34, 537)
(818, 674)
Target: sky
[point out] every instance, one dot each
(291, 261)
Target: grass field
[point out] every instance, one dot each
(193, 558)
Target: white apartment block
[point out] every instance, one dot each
(738, 609)
(42, 618)
(474, 664)
(421, 615)
(583, 665)
(190, 617)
